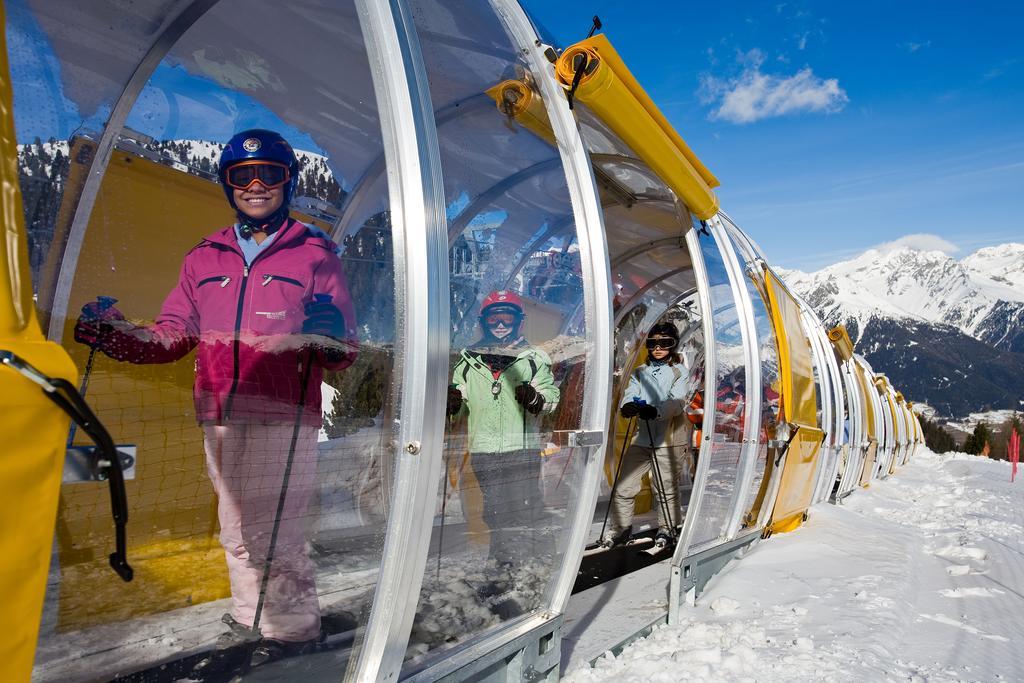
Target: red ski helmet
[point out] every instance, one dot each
(502, 297)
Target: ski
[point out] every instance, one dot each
(231, 663)
(598, 549)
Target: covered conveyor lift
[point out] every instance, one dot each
(449, 153)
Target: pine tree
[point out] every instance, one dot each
(937, 439)
(975, 443)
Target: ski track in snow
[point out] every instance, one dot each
(918, 578)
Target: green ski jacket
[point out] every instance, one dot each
(495, 419)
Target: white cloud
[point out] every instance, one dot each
(914, 47)
(755, 95)
(920, 241)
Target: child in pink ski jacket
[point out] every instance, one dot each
(266, 307)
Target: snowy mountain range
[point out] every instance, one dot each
(950, 332)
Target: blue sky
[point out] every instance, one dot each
(835, 127)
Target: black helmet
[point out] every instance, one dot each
(664, 330)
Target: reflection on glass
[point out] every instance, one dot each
(517, 335)
(730, 402)
(255, 536)
(767, 347)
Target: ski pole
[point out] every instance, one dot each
(103, 303)
(444, 495)
(533, 504)
(618, 471)
(300, 406)
(660, 485)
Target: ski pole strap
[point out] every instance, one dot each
(108, 461)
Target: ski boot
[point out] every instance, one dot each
(612, 539)
(269, 650)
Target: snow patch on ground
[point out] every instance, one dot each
(917, 578)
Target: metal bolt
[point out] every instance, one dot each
(412, 448)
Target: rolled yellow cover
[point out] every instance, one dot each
(899, 397)
(841, 342)
(517, 99)
(609, 89)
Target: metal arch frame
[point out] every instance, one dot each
(820, 352)
(704, 457)
(855, 460)
(643, 248)
(377, 166)
(174, 29)
(882, 465)
(499, 188)
(831, 408)
(416, 197)
(876, 404)
(597, 298)
(556, 229)
(837, 415)
(626, 305)
(752, 378)
(757, 267)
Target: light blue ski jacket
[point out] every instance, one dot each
(666, 387)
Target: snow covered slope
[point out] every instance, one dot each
(949, 333)
(914, 579)
(981, 295)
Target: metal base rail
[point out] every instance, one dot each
(691, 577)
(528, 651)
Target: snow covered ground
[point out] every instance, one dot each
(919, 578)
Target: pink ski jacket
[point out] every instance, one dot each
(245, 324)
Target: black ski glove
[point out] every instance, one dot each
(646, 411)
(454, 401)
(529, 398)
(629, 410)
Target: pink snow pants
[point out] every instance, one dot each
(246, 463)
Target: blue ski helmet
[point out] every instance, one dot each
(258, 143)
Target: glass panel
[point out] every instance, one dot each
(771, 388)
(517, 337)
(276, 503)
(69, 64)
(730, 402)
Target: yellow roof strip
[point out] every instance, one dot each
(612, 92)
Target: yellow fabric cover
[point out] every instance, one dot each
(797, 485)
(612, 92)
(799, 399)
(34, 429)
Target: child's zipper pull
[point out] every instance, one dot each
(224, 281)
(267, 279)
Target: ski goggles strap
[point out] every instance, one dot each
(270, 174)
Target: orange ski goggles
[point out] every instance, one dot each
(270, 174)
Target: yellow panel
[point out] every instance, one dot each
(34, 428)
(612, 92)
(796, 488)
(798, 390)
